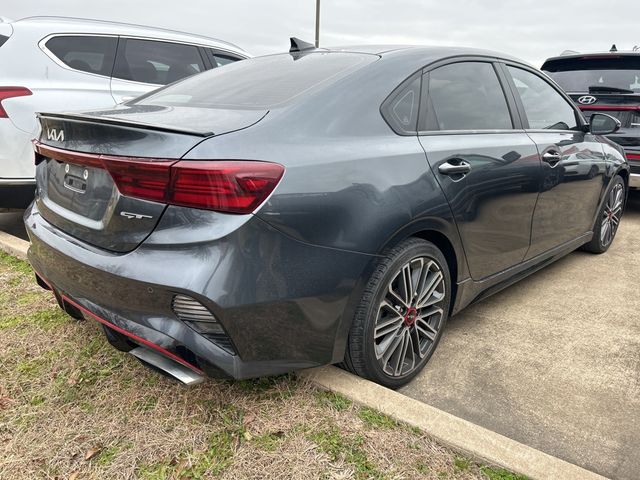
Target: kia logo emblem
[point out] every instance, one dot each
(587, 100)
(55, 135)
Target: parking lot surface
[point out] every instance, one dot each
(553, 361)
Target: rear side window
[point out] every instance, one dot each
(220, 59)
(158, 63)
(466, 96)
(85, 53)
(3, 39)
(544, 107)
(261, 82)
(401, 108)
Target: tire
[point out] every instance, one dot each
(407, 331)
(609, 216)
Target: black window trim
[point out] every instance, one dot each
(506, 91)
(42, 44)
(393, 95)
(582, 124)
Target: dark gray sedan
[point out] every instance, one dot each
(315, 207)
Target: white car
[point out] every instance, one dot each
(61, 64)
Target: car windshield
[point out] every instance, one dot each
(259, 83)
(581, 74)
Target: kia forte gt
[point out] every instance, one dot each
(316, 207)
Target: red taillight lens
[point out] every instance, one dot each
(232, 186)
(148, 180)
(226, 186)
(11, 92)
(633, 156)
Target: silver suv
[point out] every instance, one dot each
(52, 63)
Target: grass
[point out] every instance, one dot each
(73, 407)
(375, 419)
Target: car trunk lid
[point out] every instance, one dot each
(101, 176)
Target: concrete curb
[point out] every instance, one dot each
(13, 245)
(459, 434)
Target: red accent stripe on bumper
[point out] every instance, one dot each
(133, 336)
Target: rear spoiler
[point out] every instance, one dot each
(125, 123)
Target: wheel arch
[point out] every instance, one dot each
(442, 234)
(624, 173)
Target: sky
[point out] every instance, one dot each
(528, 29)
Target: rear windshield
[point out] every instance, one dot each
(3, 38)
(578, 74)
(261, 82)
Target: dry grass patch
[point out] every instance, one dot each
(73, 407)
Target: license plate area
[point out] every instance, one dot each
(75, 178)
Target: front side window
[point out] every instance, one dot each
(85, 53)
(158, 63)
(466, 96)
(544, 107)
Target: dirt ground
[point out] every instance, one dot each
(71, 407)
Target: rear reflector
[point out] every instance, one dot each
(232, 186)
(11, 92)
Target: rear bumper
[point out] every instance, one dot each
(284, 304)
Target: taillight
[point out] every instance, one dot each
(148, 180)
(227, 186)
(633, 156)
(231, 186)
(11, 92)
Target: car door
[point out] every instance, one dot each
(143, 65)
(486, 164)
(573, 163)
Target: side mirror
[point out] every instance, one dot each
(603, 124)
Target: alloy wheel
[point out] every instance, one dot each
(611, 214)
(409, 317)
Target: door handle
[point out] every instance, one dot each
(551, 156)
(459, 168)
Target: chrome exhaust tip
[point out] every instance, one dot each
(167, 366)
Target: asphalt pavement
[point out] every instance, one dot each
(553, 361)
